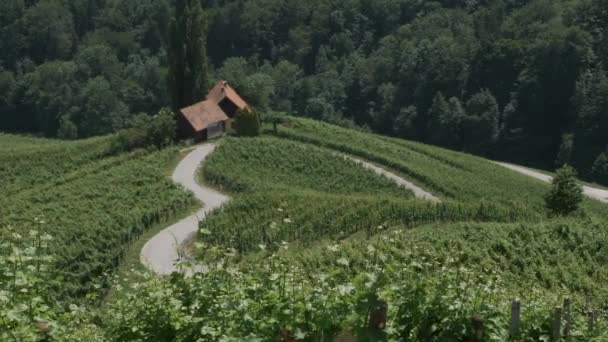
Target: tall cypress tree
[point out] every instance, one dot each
(188, 80)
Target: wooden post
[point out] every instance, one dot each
(567, 317)
(477, 324)
(378, 316)
(590, 320)
(515, 316)
(556, 326)
(44, 330)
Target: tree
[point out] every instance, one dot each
(439, 109)
(564, 156)
(188, 80)
(566, 194)
(162, 128)
(146, 131)
(480, 124)
(46, 93)
(405, 123)
(591, 107)
(67, 129)
(247, 123)
(99, 111)
(446, 121)
(49, 31)
(600, 169)
(287, 78)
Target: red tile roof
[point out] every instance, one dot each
(203, 114)
(223, 90)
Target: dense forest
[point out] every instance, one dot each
(512, 79)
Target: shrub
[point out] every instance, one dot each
(247, 123)
(158, 131)
(566, 194)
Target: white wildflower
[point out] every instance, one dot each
(299, 334)
(343, 262)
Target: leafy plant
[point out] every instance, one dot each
(92, 224)
(566, 194)
(247, 123)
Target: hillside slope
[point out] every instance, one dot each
(93, 204)
(302, 252)
(313, 247)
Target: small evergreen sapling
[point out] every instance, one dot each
(566, 194)
(247, 123)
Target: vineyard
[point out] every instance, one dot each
(92, 206)
(423, 284)
(311, 247)
(271, 220)
(28, 162)
(277, 165)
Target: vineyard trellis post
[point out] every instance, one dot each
(515, 317)
(568, 318)
(591, 320)
(556, 324)
(589, 312)
(477, 325)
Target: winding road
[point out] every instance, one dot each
(591, 192)
(161, 253)
(164, 250)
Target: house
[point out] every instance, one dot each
(213, 116)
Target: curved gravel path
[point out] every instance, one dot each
(161, 253)
(591, 192)
(418, 192)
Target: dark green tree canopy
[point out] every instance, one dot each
(527, 74)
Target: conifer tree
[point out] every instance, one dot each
(566, 194)
(188, 80)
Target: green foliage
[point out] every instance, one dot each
(432, 280)
(188, 80)
(67, 129)
(442, 172)
(480, 124)
(564, 156)
(405, 123)
(600, 169)
(27, 163)
(446, 118)
(352, 63)
(566, 194)
(247, 123)
(26, 266)
(591, 105)
(157, 131)
(245, 165)
(273, 219)
(92, 226)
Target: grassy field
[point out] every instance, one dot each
(93, 206)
